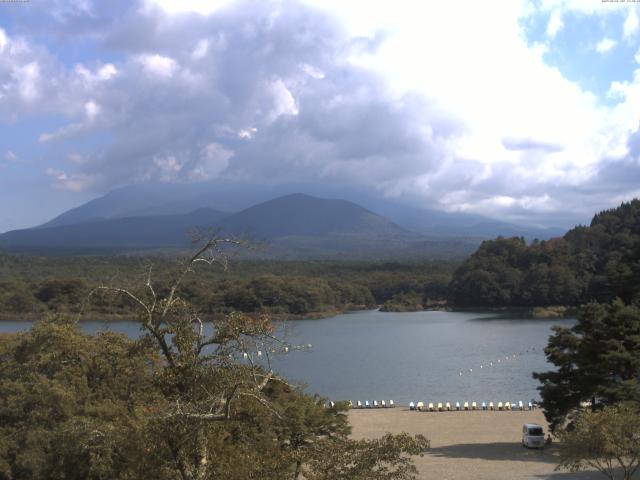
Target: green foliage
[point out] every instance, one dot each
(70, 403)
(596, 360)
(599, 262)
(404, 302)
(379, 459)
(30, 286)
(607, 440)
(192, 399)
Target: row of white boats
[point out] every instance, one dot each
(447, 406)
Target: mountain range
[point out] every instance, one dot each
(295, 225)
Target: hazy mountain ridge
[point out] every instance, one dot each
(173, 199)
(291, 226)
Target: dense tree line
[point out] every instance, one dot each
(595, 263)
(31, 286)
(597, 360)
(192, 399)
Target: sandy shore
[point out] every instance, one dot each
(469, 445)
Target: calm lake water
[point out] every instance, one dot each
(407, 356)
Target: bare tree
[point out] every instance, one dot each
(210, 363)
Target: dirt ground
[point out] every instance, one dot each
(469, 445)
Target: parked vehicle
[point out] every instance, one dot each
(532, 435)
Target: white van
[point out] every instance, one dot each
(532, 435)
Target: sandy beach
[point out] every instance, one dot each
(469, 445)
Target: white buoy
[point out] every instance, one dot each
(259, 353)
(244, 355)
(286, 349)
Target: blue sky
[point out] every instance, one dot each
(526, 111)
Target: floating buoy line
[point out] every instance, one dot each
(497, 362)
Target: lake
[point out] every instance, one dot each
(428, 356)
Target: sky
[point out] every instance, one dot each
(524, 111)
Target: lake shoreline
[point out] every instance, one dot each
(541, 313)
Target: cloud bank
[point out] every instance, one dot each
(428, 106)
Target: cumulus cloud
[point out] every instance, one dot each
(285, 92)
(555, 24)
(631, 24)
(76, 182)
(605, 45)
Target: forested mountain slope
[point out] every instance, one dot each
(596, 262)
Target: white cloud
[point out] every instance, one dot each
(283, 102)
(9, 156)
(28, 77)
(158, 65)
(201, 49)
(103, 73)
(62, 133)
(312, 71)
(247, 133)
(214, 160)
(605, 45)
(555, 24)
(76, 182)
(169, 167)
(92, 110)
(203, 7)
(631, 24)
(409, 99)
(3, 39)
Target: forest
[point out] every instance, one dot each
(31, 285)
(178, 403)
(598, 262)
